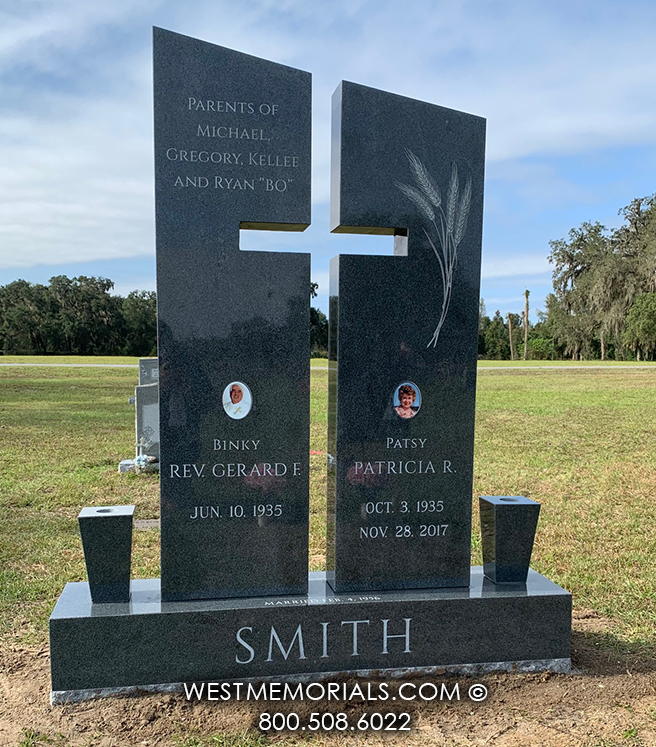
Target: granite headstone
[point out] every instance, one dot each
(146, 398)
(403, 341)
(148, 371)
(232, 150)
(234, 602)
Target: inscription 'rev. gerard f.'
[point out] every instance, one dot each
(232, 151)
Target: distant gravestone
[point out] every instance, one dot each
(403, 333)
(147, 419)
(232, 150)
(148, 371)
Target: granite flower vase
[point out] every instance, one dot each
(508, 525)
(107, 541)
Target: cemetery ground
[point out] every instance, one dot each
(579, 441)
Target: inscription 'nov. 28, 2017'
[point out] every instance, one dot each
(240, 155)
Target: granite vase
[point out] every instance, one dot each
(107, 541)
(508, 525)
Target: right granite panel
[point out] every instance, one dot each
(403, 342)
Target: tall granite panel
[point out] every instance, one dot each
(403, 341)
(146, 400)
(232, 150)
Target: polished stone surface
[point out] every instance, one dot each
(148, 371)
(399, 499)
(146, 400)
(232, 150)
(508, 524)
(107, 542)
(150, 642)
(558, 666)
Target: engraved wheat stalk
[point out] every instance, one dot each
(449, 222)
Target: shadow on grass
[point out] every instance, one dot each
(605, 654)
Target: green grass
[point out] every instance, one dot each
(581, 442)
(79, 359)
(562, 364)
(241, 739)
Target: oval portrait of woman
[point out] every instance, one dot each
(407, 400)
(237, 400)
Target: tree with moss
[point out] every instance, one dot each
(640, 330)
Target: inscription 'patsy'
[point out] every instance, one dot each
(406, 443)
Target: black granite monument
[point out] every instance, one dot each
(232, 151)
(403, 341)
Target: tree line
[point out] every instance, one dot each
(80, 316)
(603, 306)
(603, 303)
(76, 316)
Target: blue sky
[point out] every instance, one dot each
(568, 90)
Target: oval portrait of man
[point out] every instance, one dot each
(237, 400)
(407, 400)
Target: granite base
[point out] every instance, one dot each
(150, 645)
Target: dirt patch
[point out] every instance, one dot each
(610, 701)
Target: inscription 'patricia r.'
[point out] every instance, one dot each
(410, 467)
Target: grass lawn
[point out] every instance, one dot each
(580, 442)
(564, 364)
(70, 359)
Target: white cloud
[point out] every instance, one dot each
(76, 132)
(517, 265)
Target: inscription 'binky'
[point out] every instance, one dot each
(243, 445)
